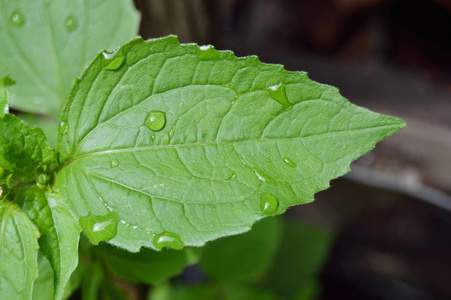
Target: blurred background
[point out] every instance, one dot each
(390, 218)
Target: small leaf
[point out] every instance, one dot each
(18, 252)
(43, 286)
(240, 141)
(303, 253)
(46, 44)
(244, 257)
(147, 266)
(59, 234)
(23, 150)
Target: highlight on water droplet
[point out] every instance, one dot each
(71, 23)
(289, 162)
(99, 228)
(113, 60)
(268, 203)
(17, 18)
(114, 163)
(43, 179)
(268, 160)
(1, 191)
(169, 240)
(156, 120)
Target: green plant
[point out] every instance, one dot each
(160, 145)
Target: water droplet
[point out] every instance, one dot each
(113, 60)
(114, 163)
(1, 191)
(169, 240)
(99, 228)
(70, 23)
(268, 203)
(43, 179)
(63, 126)
(17, 18)
(277, 92)
(171, 133)
(268, 160)
(261, 176)
(231, 177)
(205, 47)
(156, 120)
(289, 162)
(153, 137)
(207, 52)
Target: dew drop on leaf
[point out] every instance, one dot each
(43, 179)
(268, 203)
(71, 23)
(289, 162)
(63, 127)
(277, 92)
(169, 240)
(207, 52)
(17, 18)
(114, 163)
(231, 177)
(268, 160)
(156, 120)
(1, 191)
(99, 228)
(113, 60)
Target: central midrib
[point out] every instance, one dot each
(174, 146)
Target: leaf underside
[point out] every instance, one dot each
(240, 140)
(46, 44)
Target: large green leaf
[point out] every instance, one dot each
(59, 234)
(243, 257)
(46, 44)
(24, 151)
(18, 253)
(170, 145)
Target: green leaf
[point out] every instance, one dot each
(59, 234)
(241, 140)
(244, 257)
(24, 151)
(46, 123)
(92, 281)
(4, 95)
(303, 252)
(147, 266)
(46, 44)
(43, 286)
(208, 292)
(18, 252)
